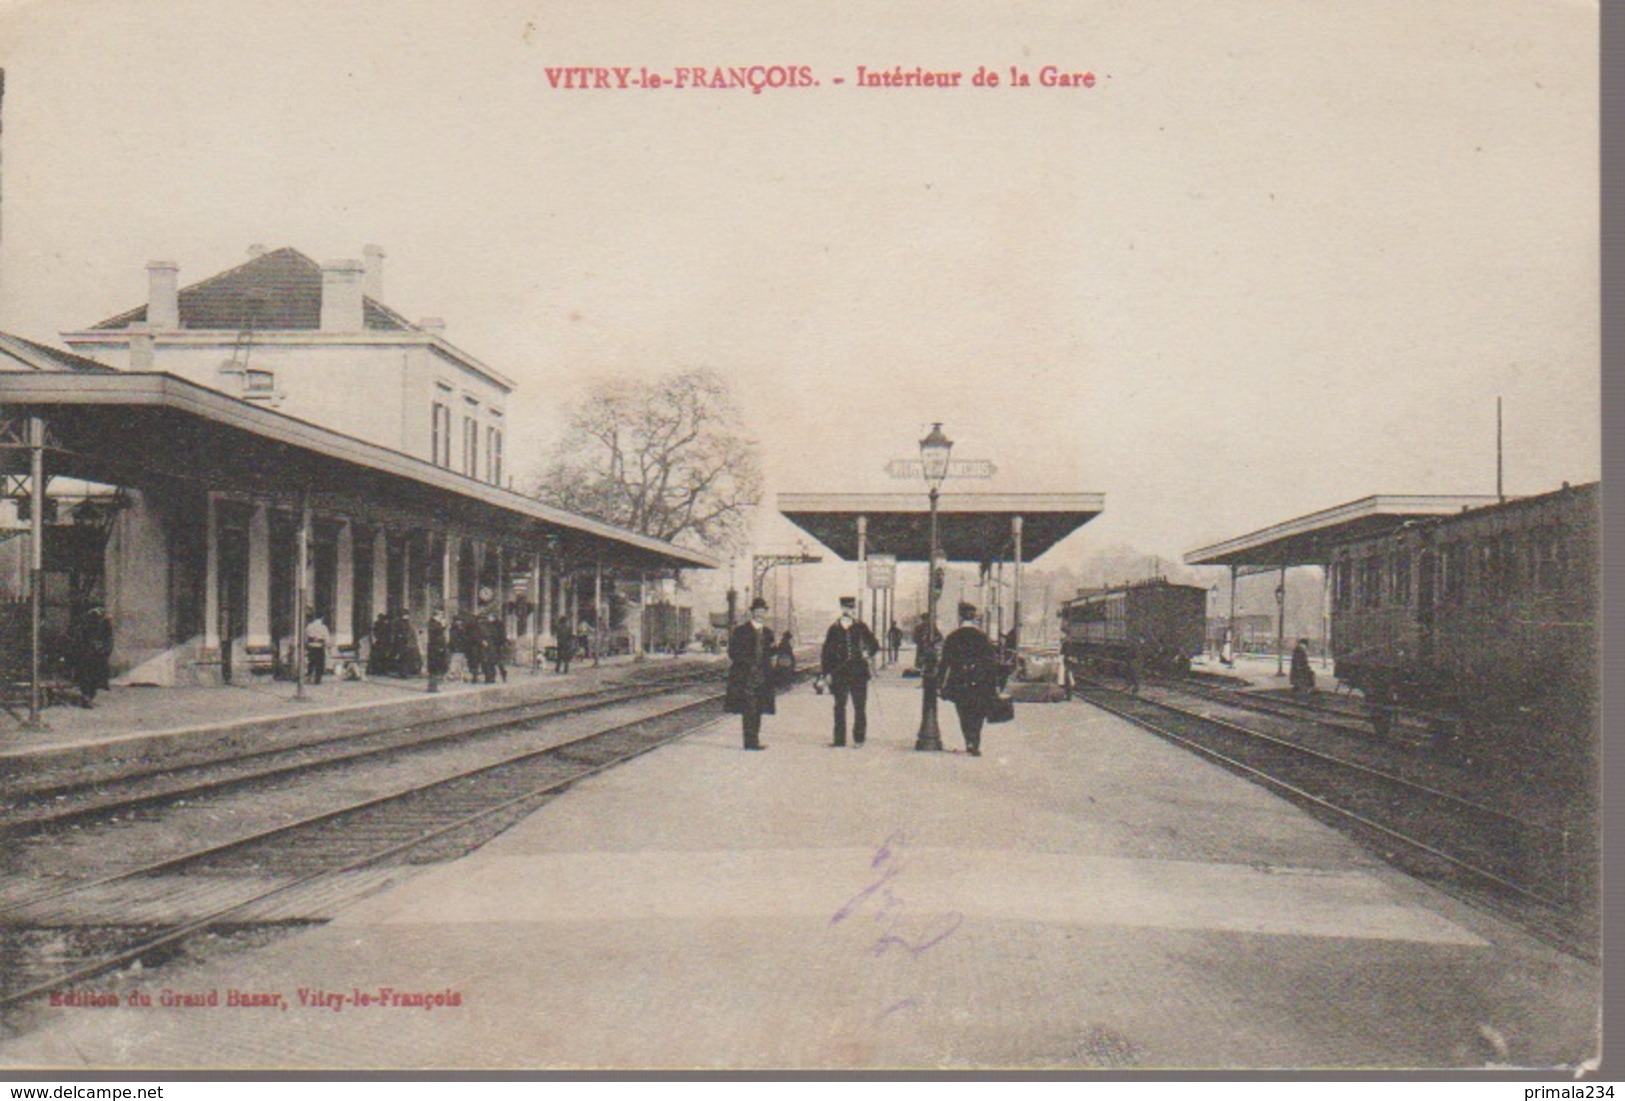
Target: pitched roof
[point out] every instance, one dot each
(42, 357)
(279, 290)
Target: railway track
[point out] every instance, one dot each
(30, 808)
(57, 937)
(1522, 870)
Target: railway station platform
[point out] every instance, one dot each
(1082, 896)
(148, 722)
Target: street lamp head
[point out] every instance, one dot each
(934, 452)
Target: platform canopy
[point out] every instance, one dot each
(134, 428)
(971, 527)
(1307, 540)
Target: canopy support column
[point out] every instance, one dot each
(1015, 602)
(1280, 625)
(301, 594)
(863, 561)
(36, 562)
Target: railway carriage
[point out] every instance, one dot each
(1484, 615)
(1100, 627)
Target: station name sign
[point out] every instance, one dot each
(957, 468)
(882, 570)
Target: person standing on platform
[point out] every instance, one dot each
(457, 646)
(378, 650)
(894, 642)
(317, 640)
(438, 657)
(784, 662)
(848, 646)
(1136, 660)
(408, 658)
(564, 644)
(1227, 651)
(1303, 677)
(750, 673)
(494, 645)
(968, 677)
(90, 645)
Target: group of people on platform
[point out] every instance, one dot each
(472, 647)
(967, 673)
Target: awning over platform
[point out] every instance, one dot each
(121, 428)
(972, 527)
(1307, 540)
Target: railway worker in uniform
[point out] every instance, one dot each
(1136, 661)
(1227, 651)
(1302, 677)
(848, 646)
(438, 657)
(90, 645)
(317, 640)
(968, 677)
(750, 673)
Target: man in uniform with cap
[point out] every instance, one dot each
(750, 673)
(848, 646)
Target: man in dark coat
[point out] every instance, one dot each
(1303, 677)
(848, 646)
(90, 645)
(494, 648)
(439, 651)
(564, 644)
(750, 673)
(380, 655)
(894, 643)
(968, 677)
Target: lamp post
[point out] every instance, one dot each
(934, 452)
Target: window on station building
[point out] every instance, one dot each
(440, 435)
(1402, 577)
(493, 455)
(471, 447)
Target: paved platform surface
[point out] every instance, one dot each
(128, 719)
(1083, 895)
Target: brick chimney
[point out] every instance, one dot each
(341, 296)
(163, 295)
(374, 261)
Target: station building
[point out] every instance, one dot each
(191, 445)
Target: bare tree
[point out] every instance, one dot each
(668, 459)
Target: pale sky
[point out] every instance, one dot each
(1283, 255)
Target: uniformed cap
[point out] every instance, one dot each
(849, 602)
(758, 603)
(967, 611)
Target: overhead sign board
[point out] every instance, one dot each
(957, 468)
(882, 571)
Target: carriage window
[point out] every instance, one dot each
(1371, 583)
(1452, 572)
(1544, 555)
